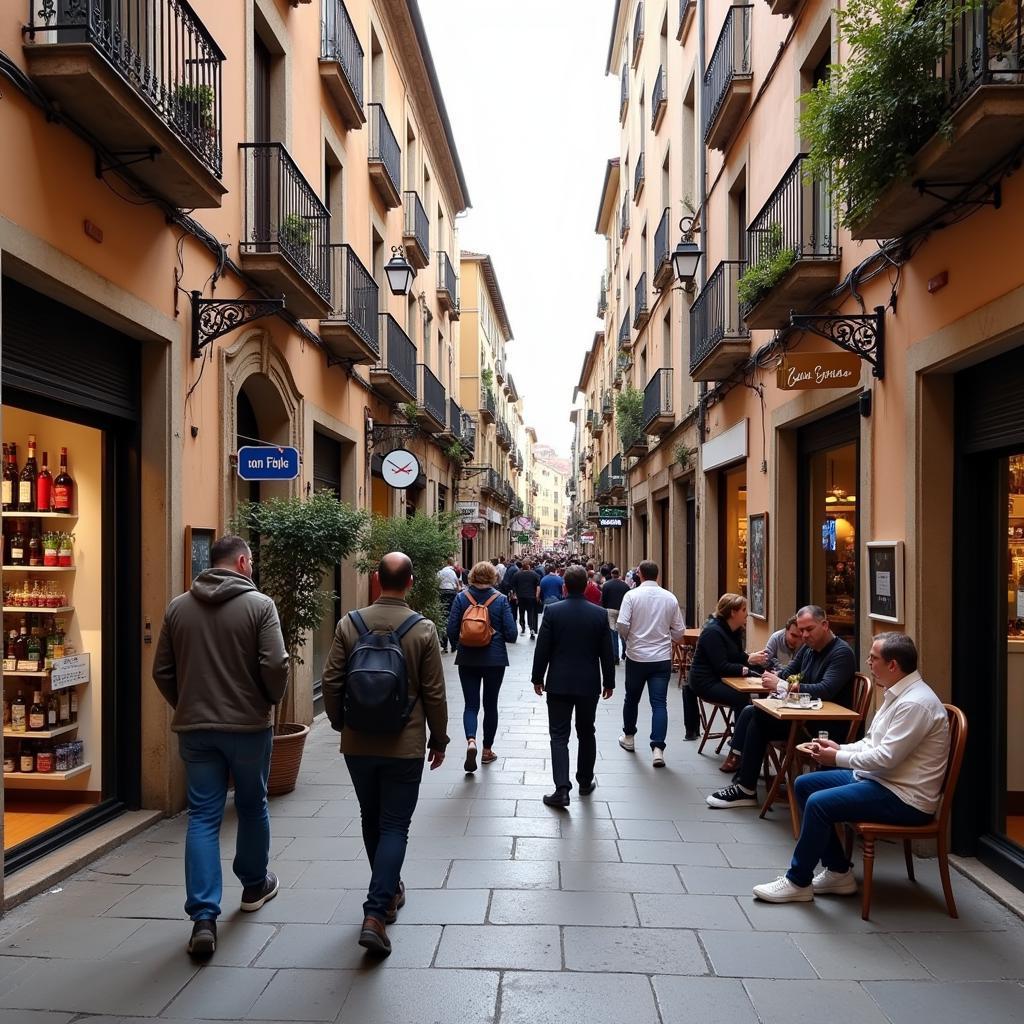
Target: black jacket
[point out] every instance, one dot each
(574, 649)
(719, 653)
(827, 673)
(613, 592)
(525, 585)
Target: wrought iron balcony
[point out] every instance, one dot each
(447, 286)
(624, 217)
(499, 370)
(798, 219)
(659, 98)
(416, 232)
(657, 416)
(144, 77)
(341, 62)
(728, 81)
(488, 405)
(639, 177)
(687, 9)
(641, 310)
(503, 435)
(468, 433)
(351, 329)
(520, 462)
(638, 32)
(432, 414)
(385, 158)
(625, 334)
(394, 375)
(596, 422)
(618, 475)
(607, 406)
(719, 339)
(603, 488)
(602, 300)
(662, 261)
(452, 430)
(490, 482)
(285, 230)
(624, 93)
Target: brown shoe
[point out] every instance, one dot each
(730, 764)
(488, 757)
(373, 937)
(396, 904)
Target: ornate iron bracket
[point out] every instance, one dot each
(862, 334)
(390, 433)
(137, 155)
(213, 317)
(468, 471)
(992, 195)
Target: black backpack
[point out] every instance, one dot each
(376, 680)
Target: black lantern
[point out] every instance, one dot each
(687, 254)
(399, 272)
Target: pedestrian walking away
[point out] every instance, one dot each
(552, 587)
(448, 585)
(221, 664)
(480, 654)
(527, 591)
(383, 686)
(612, 594)
(573, 662)
(649, 620)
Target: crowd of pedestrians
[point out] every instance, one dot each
(221, 664)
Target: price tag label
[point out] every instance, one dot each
(70, 671)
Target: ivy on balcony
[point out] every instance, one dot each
(773, 262)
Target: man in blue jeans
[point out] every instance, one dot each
(222, 665)
(649, 620)
(893, 776)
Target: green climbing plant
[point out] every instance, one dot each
(629, 410)
(773, 262)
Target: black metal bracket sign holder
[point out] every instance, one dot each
(213, 317)
(862, 334)
(391, 433)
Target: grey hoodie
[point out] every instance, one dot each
(220, 662)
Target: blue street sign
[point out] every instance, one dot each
(268, 463)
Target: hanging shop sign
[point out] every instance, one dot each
(522, 523)
(586, 538)
(610, 522)
(70, 671)
(492, 515)
(469, 531)
(467, 509)
(400, 468)
(522, 538)
(265, 462)
(813, 371)
(619, 512)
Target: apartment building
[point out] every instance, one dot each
(487, 498)
(551, 474)
(168, 198)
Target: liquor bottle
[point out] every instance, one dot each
(44, 486)
(35, 651)
(74, 704)
(58, 640)
(27, 759)
(21, 643)
(19, 714)
(35, 548)
(37, 713)
(52, 711)
(12, 645)
(64, 707)
(10, 481)
(27, 479)
(17, 553)
(63, 487)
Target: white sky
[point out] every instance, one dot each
(535, 121)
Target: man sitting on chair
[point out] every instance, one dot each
(826, 666)
(893, 776)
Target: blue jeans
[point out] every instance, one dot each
(829, 798)
(655, 675)
(209, 754)
(472, 679)
(387, 789)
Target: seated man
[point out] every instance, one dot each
(893, 776)
(782, 647)
(826, 666)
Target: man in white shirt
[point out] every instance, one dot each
(894, 776)
(448, 584)
(649, 620)
(501, 568)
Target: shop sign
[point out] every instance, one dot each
(522, 538)
(469, 531)
(619, 512)
(467, 509)
(587, 538)
(614, 522)
(812, 371)
(492, 515)
(522, 523)
(70, 671)
(265, 462)
(400, 469)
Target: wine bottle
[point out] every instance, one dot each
(17, 554)
(51, 711)
(10, 481)
(37, 713)
(27, 479)
(44, 486)
(35, 548)
(63, 487)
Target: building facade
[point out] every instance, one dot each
(550, 475)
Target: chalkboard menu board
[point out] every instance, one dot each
(885, 580)
(198, 542)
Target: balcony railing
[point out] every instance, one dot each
(468, 433)
(431, 394)
(686, 12)
(624, 92)
(490, 481)
(340, 44)
(354, 296)
(618, 480)
(659, 97)
(602, 300)
(662, 255)
(731, 58)
(639, 177)
(607, 405)
(986, 47)
(488, 403)
(715, 314)
(625, 337)
(603, 486)
(657, 409)
(455, 420)
(399, 356)
(638, 31)
(416, 232)
(161, 48)
(447, 282)
(385, 151)
(284, 215)
(641, 310)
(624, 221)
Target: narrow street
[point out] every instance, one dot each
(638, 895)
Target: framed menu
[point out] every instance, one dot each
(198, 541)
(757, 547)
(885, 580)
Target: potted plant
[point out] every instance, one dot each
(457, 452)
(62, 547)
(295, 232)
(51, 545)
(684, 456)
(629, 410)
(196, 104)
(295, 542)
(773, 263)
(410, 410)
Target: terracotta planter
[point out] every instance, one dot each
(286, 757)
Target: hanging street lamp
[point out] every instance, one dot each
(399, 272)
(687, 254)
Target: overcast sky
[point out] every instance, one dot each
(535, 120)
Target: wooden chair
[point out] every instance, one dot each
(707, 722)
(937, 829)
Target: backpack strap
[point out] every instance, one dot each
(357, 621)
(408, 624)
(494, 597)
(472, 600)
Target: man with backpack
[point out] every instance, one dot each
(383, 685)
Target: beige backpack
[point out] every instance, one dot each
(476, 630)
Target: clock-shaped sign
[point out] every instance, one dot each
(400, 468)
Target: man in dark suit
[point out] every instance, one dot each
(574, 650)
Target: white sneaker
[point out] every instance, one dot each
(837, 883)
(626, 742)
(782, 890)
(659, 757)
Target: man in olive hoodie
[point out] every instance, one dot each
(222, 665)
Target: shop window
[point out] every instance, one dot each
(1014, 790)
(732, 548)
(327, 455)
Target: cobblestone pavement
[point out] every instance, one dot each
(634, 905)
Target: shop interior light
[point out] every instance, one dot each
(399, 272)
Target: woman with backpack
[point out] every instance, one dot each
(479, 625)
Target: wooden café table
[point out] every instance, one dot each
(744, 684)
(790, 711)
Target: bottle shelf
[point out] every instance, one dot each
(45, 776)
(25, 610)
(40, 734)
(39, 568)
(43, 674)
(62, 516)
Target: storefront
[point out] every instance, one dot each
(732, 523)
(71, 530)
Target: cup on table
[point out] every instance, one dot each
(822, 735)
(805, 700)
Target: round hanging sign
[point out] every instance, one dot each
(469, 531)
(400, 468)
